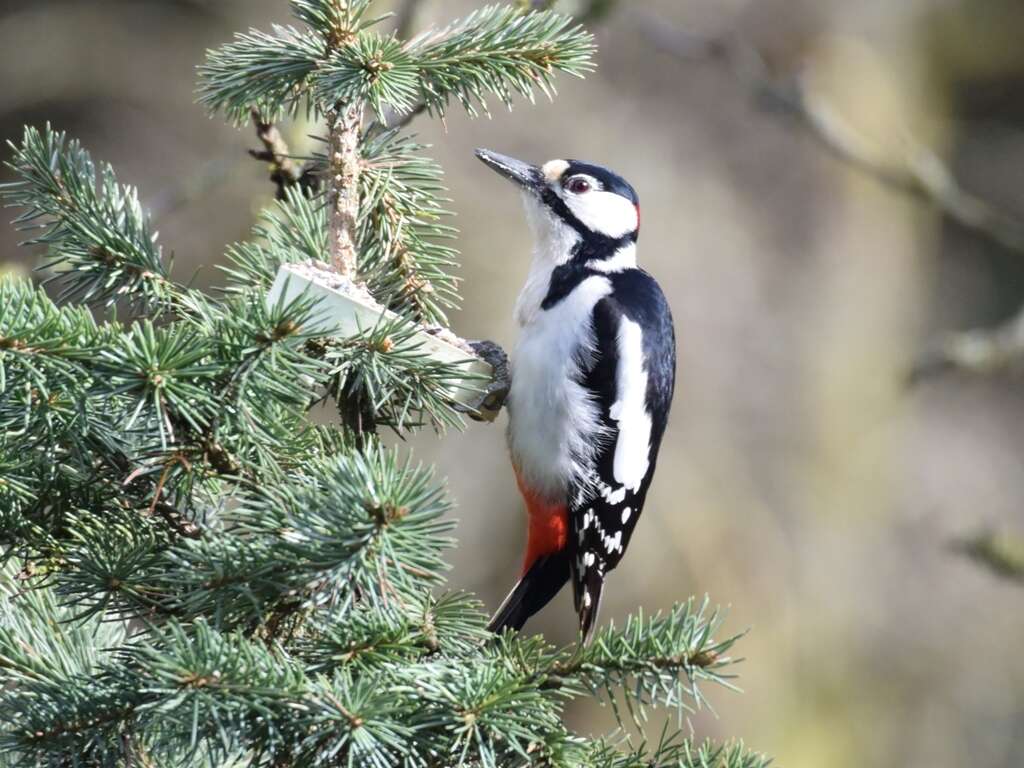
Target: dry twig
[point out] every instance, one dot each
(982, 351)
(1000, 553)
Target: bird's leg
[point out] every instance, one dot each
(493, 397)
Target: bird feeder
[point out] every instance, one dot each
(347, 308)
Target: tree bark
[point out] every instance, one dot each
(343, 185)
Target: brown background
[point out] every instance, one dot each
(803, 484)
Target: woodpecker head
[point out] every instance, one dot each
(575, 209)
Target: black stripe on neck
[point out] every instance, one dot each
(564, 278)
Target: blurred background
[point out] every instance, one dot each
(828, 189)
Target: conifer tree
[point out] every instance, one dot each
(195, 573)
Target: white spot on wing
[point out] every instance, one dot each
(633, 443)
(612, 543)
(614, 497)
(625, 514)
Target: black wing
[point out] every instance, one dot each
(630, 376)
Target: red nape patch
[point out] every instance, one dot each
(549, 525)
(637, 206)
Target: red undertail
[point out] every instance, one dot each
(549, 525)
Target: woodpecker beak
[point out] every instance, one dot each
(525, 175)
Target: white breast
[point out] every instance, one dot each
(554, 425)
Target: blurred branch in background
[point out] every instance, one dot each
(192, 187)
(585, 12)
(405, 19)
(1000, 552)
(982, 351)
(923, 174)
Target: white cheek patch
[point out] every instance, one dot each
(604, 212)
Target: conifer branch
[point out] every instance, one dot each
(659, 659)
(499, 50)
(673, 750)
(267, 72)
(93, 227)
(221, 690)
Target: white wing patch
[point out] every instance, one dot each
(633, 444)
(613, 543)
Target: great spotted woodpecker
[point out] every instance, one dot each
(592, 380)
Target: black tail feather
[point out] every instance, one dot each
(542, 582)
(587, 589)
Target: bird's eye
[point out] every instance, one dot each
(578, 186)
